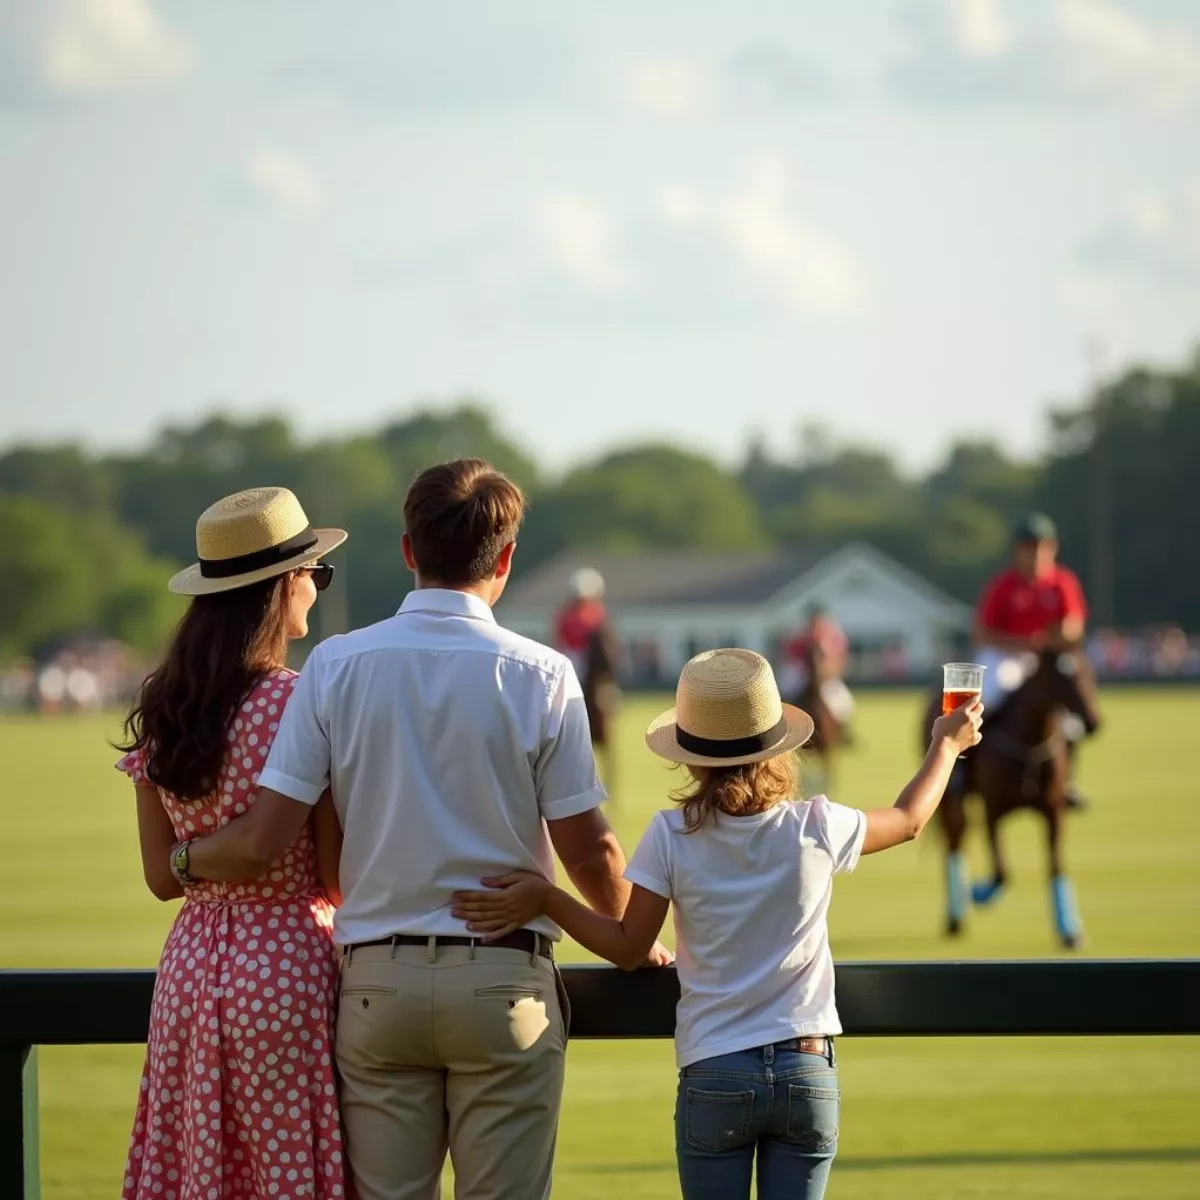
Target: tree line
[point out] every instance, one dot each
(87, 540)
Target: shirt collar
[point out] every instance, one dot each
(449, 603)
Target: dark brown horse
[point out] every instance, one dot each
(1023, 761)
(602, 696)
(828, 732)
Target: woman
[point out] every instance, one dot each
(238, 1097)
(749, 870)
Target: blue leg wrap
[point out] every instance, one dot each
(956, 886)
(1066, 911)
(985, 892)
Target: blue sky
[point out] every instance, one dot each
(906, 221)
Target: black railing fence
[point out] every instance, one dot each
(921, 999)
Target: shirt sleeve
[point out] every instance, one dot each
(841, 830)
(1073, 603)
(565, 772)
(299, 762)
(650, 866)
(134, 765)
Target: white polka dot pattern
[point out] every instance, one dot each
(238, 1098)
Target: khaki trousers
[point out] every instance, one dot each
(450, 1048)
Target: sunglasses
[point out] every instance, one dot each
(321, 574)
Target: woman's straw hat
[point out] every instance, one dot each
(251, 536)
(727, 712)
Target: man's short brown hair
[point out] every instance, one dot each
(459, 516)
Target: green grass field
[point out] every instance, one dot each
(1050, 1118)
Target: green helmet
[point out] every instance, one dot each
(1036, 527)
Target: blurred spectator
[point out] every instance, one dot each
(84, 673)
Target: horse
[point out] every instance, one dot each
(602, 696)
(1023, 761)
(828, 732)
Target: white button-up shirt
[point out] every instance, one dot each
(448, 742)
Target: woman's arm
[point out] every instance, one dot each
(904, 821)
(157, 837)
(327, 835)
(519, 897)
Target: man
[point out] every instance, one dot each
(1034, 604)
(455, 750)
(823, 644)
(582, 616)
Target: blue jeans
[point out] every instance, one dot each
(773, 1100)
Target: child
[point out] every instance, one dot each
(749, 870)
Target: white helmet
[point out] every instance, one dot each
(587, 584)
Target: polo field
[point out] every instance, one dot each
(955, 1117)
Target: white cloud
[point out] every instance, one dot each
(1113, 52)
(1155, 241)
(1071, 51)
(666, 87)
(772, 243)
(283, 179)
(581, 241)
(676, 258)
(103, 45)
(979, 28)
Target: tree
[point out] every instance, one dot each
(66, 571)
(48, 586)
(652, 496)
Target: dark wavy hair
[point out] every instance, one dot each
(223, 646)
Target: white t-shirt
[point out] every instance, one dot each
(750, 897)
(449, 742)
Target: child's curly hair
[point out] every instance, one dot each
(739, 791)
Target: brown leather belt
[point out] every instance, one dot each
(808, 1045)
(521, 939)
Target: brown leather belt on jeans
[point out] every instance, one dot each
(808, 1045)
(521, 939)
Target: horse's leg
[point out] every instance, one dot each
(1067, 924)
(986, 891)
(954, 824)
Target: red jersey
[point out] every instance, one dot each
(1022, 607)
(829, 639)
(576, 623)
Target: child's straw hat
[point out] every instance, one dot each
(727, 712)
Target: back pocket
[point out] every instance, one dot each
(514, 993)
(362, 995)
(813, 1116)
(717, 1121)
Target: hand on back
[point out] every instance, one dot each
(511, 903)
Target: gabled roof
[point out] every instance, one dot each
(693, 578)
(673, 578)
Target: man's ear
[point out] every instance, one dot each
(406, 547)
(504, 562)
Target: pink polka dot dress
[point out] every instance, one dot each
(238, 1098)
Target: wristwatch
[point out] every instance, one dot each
(180, 862)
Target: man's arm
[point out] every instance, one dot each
(593, 859)
(249, 844)
(569, 798)
(1074, 606)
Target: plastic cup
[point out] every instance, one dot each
(961, 683)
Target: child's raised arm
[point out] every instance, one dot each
(515, 899)
(952, 734)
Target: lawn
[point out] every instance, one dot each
(969, 1118)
